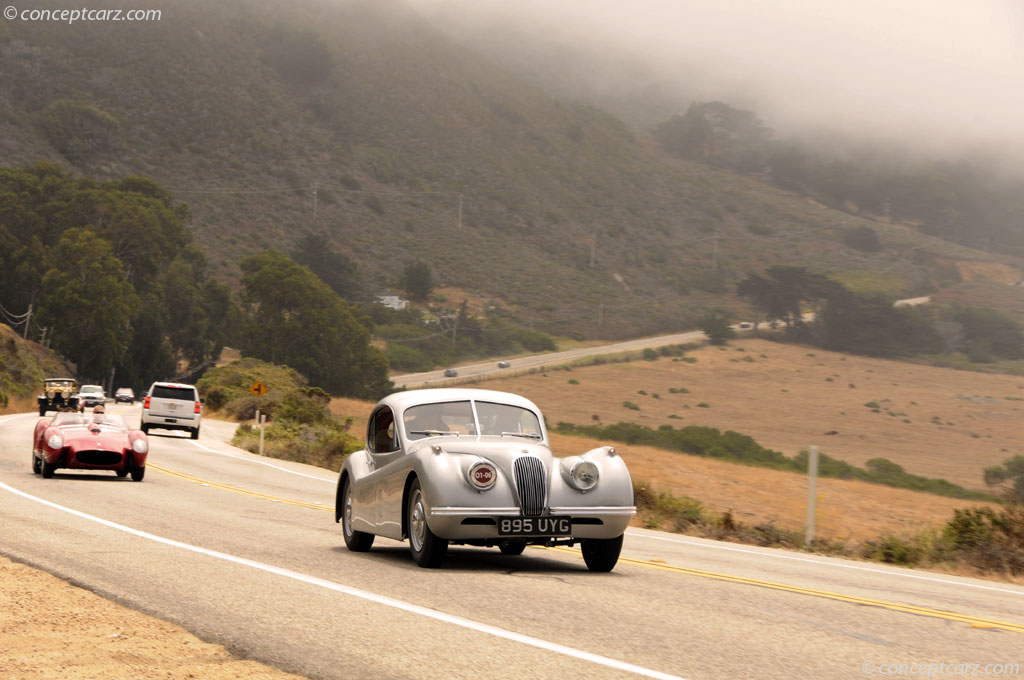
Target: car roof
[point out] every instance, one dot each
(399, 401)
(172, 384)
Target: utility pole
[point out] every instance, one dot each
(714, 253)
(314, 201)
(28, 320)
(460, 212)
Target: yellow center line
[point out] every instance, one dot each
(237, 489)
(974, 621)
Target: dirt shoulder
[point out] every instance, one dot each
(52, 629)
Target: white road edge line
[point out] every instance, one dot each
(365, 595)
(826, 564)
(260, 462)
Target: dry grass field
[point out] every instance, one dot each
(935, 422)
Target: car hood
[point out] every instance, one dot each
(102, 438)
(501, 451)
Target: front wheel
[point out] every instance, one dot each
(601, 554)
(42, 410)
(427, 549)
(47, 469)
(137, 473)
(356, 541)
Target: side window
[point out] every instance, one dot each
(381, 436)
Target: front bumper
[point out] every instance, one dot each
(462, 523)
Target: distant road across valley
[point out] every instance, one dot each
(490, 368)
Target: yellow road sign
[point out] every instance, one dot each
(259, 389)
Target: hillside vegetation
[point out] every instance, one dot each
(23, 367)
(358, 122)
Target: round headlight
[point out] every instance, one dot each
(140, 445)
(584, 475)
(482, 475)
(55, 441)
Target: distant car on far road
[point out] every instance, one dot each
(746, 324)
(503, 364)
(450, 373)
(124, 394)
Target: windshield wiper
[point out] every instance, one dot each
(437, 432)
(528, 435)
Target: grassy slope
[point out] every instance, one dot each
(23, 367)
(407, 115)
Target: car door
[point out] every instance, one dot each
(389, 468)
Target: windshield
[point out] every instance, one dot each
(457, 418)
(90, 388)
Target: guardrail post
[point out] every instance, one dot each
(812, 494)
(263, 423)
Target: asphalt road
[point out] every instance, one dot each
(244, 551)
(490, 368)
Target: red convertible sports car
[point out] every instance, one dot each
(82, 441)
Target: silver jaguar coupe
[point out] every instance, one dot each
(466, 466)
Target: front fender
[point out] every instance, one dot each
(614, 487)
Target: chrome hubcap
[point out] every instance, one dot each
(417, 522)
(346, 524)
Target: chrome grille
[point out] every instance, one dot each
(530, 484)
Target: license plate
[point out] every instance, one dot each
(534, 526)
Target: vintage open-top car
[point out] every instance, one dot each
(475, 467)
(84, 441)
(58, 393)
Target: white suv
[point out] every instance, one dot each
(172, 406)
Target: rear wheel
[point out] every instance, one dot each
(195, 433)
(601, 554)
(122, 473)
(512, 547)
(427, 549)
(37, 466)
(144, 427)
(357, 541)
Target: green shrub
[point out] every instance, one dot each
(631, 406)
(895, 550)
(650, 354)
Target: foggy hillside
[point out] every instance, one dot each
(364, 122)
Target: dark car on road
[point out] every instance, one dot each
(124, 395)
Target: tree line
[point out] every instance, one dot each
(106, 273)
(870, 324)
